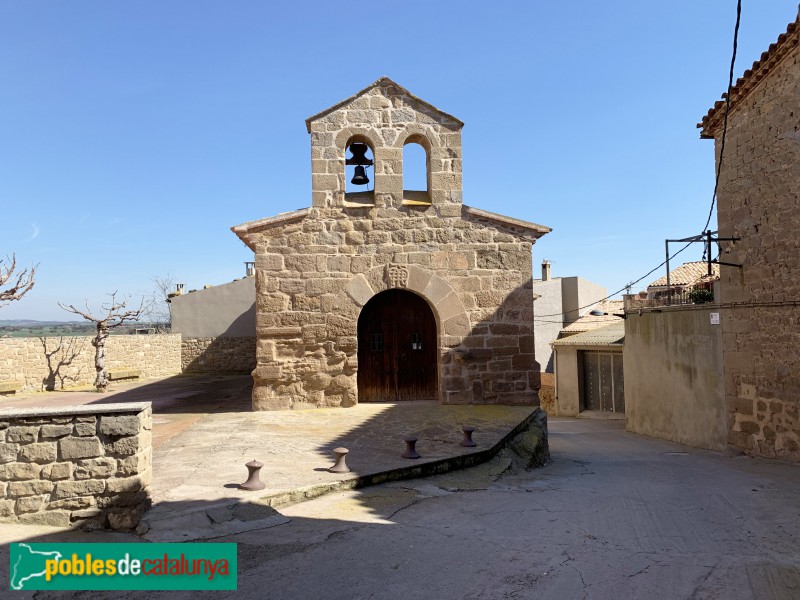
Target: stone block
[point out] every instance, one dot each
(55, 471)
(76, 503)
(7, 508)
(359, 290)
(95, 468)
(51, 518)
(44, 452)
(30, 504)
(22, 435)
(68, 489)
(123, 499)
(123, 519)
(56, 431)
(129, 484)
(119, 426)
(8, 452)
(129, 445)
(29, 488)
(135, 464)
(79, 447)
(19, 471)
(85, 429)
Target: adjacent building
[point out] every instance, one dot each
(759, 203)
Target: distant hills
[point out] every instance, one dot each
(33, 328)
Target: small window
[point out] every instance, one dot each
(377, 342)
(416, 341)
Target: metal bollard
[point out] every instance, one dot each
(253, 481)
(340, 466)
(467, 441)
(411, 450)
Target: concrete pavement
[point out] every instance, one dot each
(614, 515)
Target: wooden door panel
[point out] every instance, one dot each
(400, 363)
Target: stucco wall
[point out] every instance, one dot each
(758, 202)
(673, 376)
(227, 310)
(561, 301)
(58, 362)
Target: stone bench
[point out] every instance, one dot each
(9, 387)
(117, 374)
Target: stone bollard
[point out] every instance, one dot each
(411, 450)
(253, 480)
(340, 466)
(467, 441)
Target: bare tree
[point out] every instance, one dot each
(159, 314)
(114, 314)
(21, 283)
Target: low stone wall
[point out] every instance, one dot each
(218, 355)
(51, 363)
(79, 466)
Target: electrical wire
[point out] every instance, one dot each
(716, 179)
(631, 284)
(727, 110)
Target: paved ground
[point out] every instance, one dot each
(204, 433)
(615, 515)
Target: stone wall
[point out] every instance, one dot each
(316, 268)
(85, 466)
(58, 362)
(218, 355)
(758, 202)
(673, 376)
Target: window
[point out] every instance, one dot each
(377, 342)
(416, 341)
(416, 173)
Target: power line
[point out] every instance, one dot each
(727, 109)
(611, 295)
(716, 178)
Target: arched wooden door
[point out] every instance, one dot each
(396, 348)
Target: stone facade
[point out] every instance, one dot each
(86, 466)
(316, 268)
(759, 202)
(58, 362)
(218, 355)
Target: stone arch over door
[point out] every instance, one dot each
(452, 319)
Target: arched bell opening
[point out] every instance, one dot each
(359, 171)
(416, 171)
(397, 348)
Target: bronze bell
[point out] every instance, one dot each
(359, 158)
(360, 177)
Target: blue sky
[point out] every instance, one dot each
(133, 135)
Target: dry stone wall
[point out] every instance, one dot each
(218, 355)
(57, 362)
(759, 194)
(87, 466)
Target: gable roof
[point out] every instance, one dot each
(243, 230)
(527, 227)
(382, 82)
(761, 68)
(610, 335)
(688, 274)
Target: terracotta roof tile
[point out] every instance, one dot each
(689, 273)
(751, 77)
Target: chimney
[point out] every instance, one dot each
(545, 270)
(249, 269)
